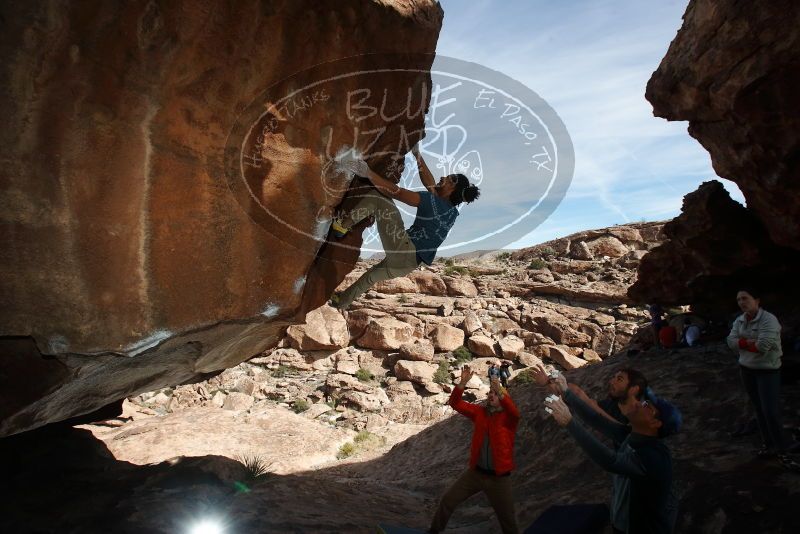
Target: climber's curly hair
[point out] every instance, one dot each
(464, 191)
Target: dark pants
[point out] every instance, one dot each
(497, 489)
(763, 386)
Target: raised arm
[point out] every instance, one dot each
(599, 421)
(607, 426)
(623, 461)
(393, 190)
(574, 388)
(384, 186)
(425, 175)
(460, 405)
(560, 386)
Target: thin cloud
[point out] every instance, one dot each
(591, 61)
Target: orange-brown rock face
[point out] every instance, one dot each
(131, 221)
(733, 71)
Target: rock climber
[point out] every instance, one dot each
(437, 210)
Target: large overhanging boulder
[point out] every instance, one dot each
(714, 247)
(135, 255)
(733, 72)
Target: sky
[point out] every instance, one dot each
(590, 61)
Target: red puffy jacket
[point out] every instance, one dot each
(501, 426)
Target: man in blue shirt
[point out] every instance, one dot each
(405, 249)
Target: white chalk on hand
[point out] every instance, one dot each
(548, 409)
(552, 398)
(353, 166)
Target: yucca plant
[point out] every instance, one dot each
(255, 466)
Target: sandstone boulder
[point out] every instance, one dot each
(562, 356)
(415, 371)
(245, 385)
(371, 401)
(581, 251)
(511, 347)
(238, 401)
(482, 346)
(460, 287)
(401, 284)
(418, 350)
(347, 363)
(428, 283)
(446, 338)
(325, 329)
(289, 358)
(385, 333)
(590, 356)
(529, 360)
(218, 399)
(607, 246)
(471, 323)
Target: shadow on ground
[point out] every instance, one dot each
(61, 479)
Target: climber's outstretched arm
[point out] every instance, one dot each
(393, 190)
(425, 174)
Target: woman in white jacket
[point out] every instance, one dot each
(756, 337)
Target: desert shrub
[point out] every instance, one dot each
(364, 375)
(281, 371)
(547, 251)
(333, 401)
(346, 450)
(525, 377)
(504, 256)
(449, 262)
(462, 355)
(451, 270)
(442, 374)
(402, 298)
(537, 263)
(300, 405)
(362, 436)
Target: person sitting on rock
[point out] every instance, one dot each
(491, 455)
(756, 338)
(691, 334)
(642, 464)
(437, 210)
(657, 322)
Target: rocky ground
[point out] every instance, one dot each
(344, 424)
(386, 367)
(64, 480)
